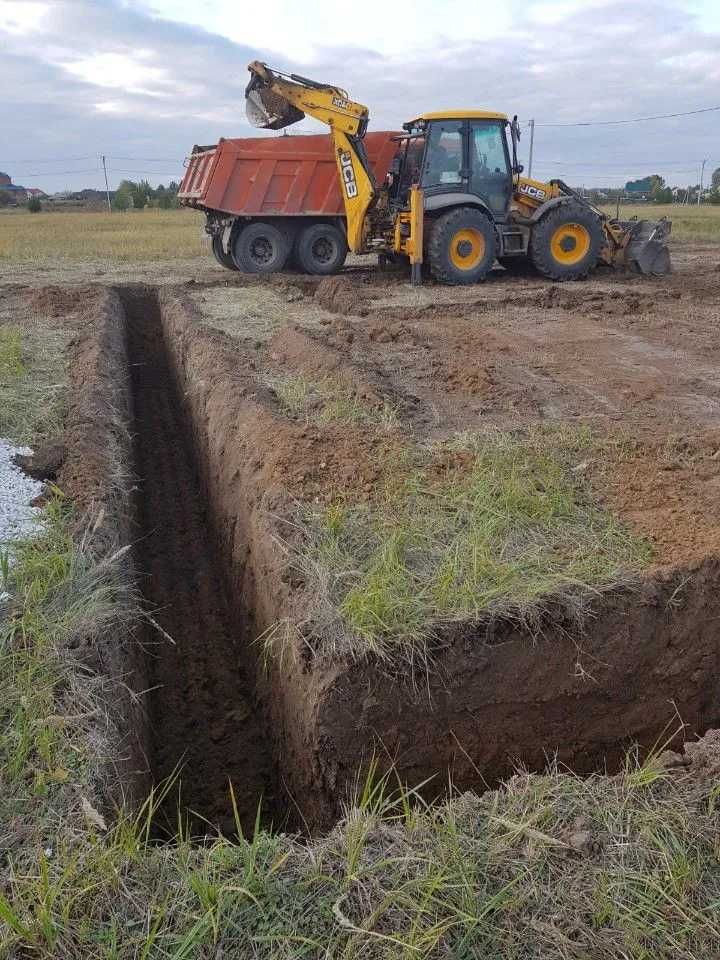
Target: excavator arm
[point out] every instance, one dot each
(275, 100)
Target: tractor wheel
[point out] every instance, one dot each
(260, 248)
(321, 249)
(565, 244)
(461, 248)
(224, 259)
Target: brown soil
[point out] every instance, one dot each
(206, 727)
(58, 302)
(96, 475)
(337, 296)
(222, 467)
(498, 691)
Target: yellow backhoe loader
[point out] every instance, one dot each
(455, 198)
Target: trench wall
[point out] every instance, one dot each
(498, 695)
(97, 475)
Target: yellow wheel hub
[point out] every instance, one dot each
(570, 244)
(467, 248)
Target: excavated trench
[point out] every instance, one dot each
(207, 731)
(294, 733)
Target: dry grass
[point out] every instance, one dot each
(691, 222)
(330, 400)
(157, 235)
(130, 237)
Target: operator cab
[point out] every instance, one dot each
(457, 153)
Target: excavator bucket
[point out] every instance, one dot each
(646, 250)
(268, 110)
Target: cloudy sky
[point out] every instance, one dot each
(141, 81)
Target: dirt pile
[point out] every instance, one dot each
(58, 302)
(337, 295)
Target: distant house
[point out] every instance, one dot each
(16, 191)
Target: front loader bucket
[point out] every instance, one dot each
(650, 257)
(646, 251)
(268, 111)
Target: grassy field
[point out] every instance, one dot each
(147, 235)
(130, 237)
(689, 222)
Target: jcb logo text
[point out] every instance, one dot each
(535, 192)
(348, 175)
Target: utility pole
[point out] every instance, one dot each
(532, 140)
(702, 174)
(107, 188)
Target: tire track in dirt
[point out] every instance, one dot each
(202, 710)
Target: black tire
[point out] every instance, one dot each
(260, 248)
(461, 247)
(571, 231)
(224, 259)
(321, 249)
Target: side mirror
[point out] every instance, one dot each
(518, 168)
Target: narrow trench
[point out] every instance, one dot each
(524, 702)
(207, 729)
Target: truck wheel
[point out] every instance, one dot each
(565, 244)
(462, 245)
(224, 259)
(321, 249)
(260, 248)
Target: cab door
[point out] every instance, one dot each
(444, 169)
(489, 165)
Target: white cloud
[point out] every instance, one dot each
(105, 76)
(122, 71)
(299, 31)
(20, 17)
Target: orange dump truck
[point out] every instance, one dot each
(275, 201)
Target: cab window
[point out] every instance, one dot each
(412, 164)
(489, 163)
(443, 157)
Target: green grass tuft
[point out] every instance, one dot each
(11, 361)
(330, 400)
(32, 383)
(505, 525)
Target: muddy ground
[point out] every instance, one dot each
(217, 459)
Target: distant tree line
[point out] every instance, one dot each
(138, 195)
(653, 188)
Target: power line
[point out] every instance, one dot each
(617, 163)
(56, 160)
(603, 123)
(154, 173)
(147, 159)
(58, 173)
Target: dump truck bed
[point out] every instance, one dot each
(275, 176)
